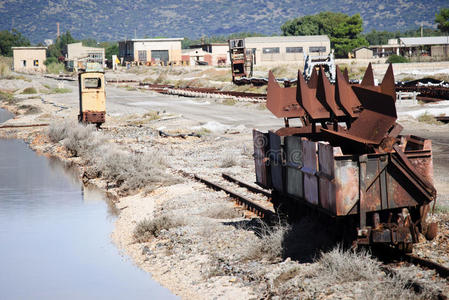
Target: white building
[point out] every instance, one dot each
(278, 49)
(163, 50)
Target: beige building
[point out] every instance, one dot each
(151, 50)
(363, 53)
(76, 52)
(214, 54)
(278, 49)
(29, 59)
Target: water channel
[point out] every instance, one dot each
(55, 235)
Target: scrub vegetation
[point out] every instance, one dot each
(149, 228)
(128, 171)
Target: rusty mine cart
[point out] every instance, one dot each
(92, 97)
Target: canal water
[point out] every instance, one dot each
(55, 235)
(5, 115)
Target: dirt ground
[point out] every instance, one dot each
(205, 247)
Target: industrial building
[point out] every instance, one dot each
(433, 46)
(363, 53)
(215, 54)
(77, 56)
(278, 49)
(154, 51)
(29, 59)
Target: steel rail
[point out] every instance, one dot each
(248, 204)
(245, 185)
(23, 126)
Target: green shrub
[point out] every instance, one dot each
(30, 90)
(51, 60)
(396, 59)
(6, 97)
(55, 68)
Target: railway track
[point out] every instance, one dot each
(427, 93)
(205, 92)
(391, 256)
(388, 255)
(254, 200)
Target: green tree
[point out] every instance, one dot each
(90, 42)
(375, 37)
(111, 50)
(307, 25)
(59, 48)
(442, 19)
(9, 39)
(344, 31)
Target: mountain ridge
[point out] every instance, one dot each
(116, 20)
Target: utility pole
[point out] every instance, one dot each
(57, 30)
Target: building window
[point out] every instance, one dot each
(36, 63)
(92, 83)
(142, 55)
(24, 63)
(270, 50)
(293, 49)
(317, 49)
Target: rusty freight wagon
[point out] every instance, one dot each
(92, 97)
(348, 160)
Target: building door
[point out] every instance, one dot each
(159, 55)
(142, 55)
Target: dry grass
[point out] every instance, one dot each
(442, 77)
(130, 171)
(29, 90)
(5, 67)
(269, 246)
(223, 75)
(203, 131)
(29, 109)
(228, 161)
(441, 209)
(149, 228)
(162, 78)
(6, 97)
(429, 119)
(77, 138)
(283, 71)
(347, 266)
(229, 101)
(134, 171)
(222, 211)
(60, 91)
(338, 271)
(139, 120)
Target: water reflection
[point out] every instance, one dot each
(54, 236)
(5, 115)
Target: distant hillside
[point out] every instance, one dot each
(119, 19)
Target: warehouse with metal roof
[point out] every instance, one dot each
(434, 46)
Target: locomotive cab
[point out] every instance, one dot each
(92, 98)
